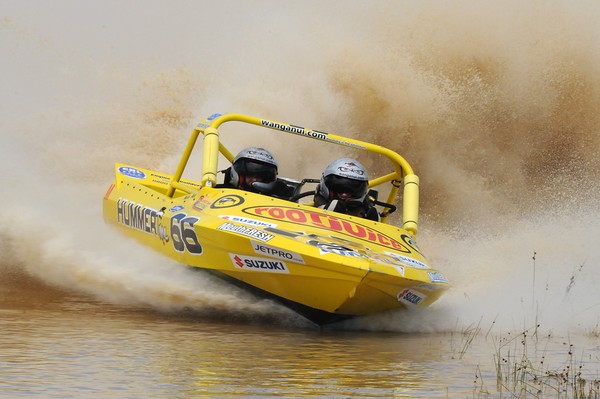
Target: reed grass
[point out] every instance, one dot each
(594, 332)
(521, 369)
(522, 376)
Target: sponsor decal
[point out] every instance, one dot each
(410, 297)
(384, 259)
(142, 218)
(307, 132)
(332, 248)
(381, 258)
(260, 154)
(326, 222)
(263, 249)
(437, 277)
(132, 172)
(258, 264)
(294, 129)
(351, 170)
(286, 233)
(203, 125)
(248, 221)
(184, 235)
(199, 206)
(176, 208)
(213, 116)
(227, 201)
(247, 231)
(202, 203)
(189, 183)
(407, 261)
(410, 242)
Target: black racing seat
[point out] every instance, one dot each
(286, 188)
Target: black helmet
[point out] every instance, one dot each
(345, 179)
(254, 162)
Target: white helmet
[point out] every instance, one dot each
(257, 162)
(344, 178)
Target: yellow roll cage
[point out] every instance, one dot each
(212, 147)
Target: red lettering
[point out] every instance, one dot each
(277, 213)
(296, 215)
(327, 222)
(382, 239)
(372, 236)
(259, 211)
(316, 219)
(358, 230)
(335, 224)
(398, 246)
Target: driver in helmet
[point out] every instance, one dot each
(254, 169)
(343, 188)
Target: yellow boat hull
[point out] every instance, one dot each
(327, 266)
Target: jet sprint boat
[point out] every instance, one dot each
(325, 265)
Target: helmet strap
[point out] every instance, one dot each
(332, 205)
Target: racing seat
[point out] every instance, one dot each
(286, 188)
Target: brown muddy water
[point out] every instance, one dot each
(59, 344)
(56, 344)
(493, 103)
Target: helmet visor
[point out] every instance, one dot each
(260, 171)
(345, 187)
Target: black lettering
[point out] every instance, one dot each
(135, 216)
(275, 265)
(120, 211)
(146, 220)
(127, 214)
(130, 215)
(152, 222)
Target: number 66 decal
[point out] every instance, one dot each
(183, 234)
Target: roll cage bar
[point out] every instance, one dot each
(402, 172)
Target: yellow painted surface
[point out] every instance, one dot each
(321, 259)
